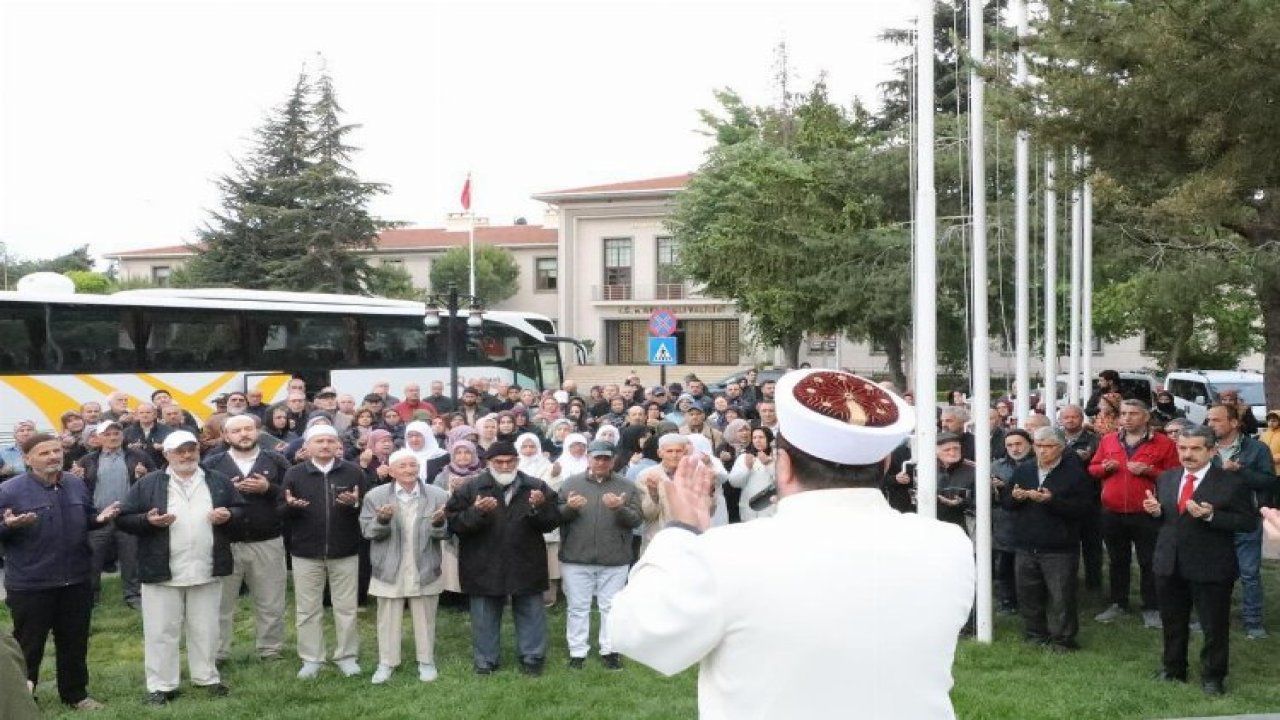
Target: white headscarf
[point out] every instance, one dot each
(608, 433)
(534, 464)
(430, 451)
(570, 465)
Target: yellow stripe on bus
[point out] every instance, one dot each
(51, 401)
(195, 402)
(270, 385)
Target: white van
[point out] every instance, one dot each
(1136, 385)
(1195, 390)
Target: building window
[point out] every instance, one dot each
(393, 263)
(160, 275)
(669, 285)
(545, 270)
(617, 269)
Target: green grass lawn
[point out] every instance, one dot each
(1108, 679)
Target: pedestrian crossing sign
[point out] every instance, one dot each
(662, 351)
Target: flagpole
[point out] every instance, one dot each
(1021, 237)
(925, 312)
(471, 242)
(981, 344)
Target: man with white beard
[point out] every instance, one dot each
(499, 517)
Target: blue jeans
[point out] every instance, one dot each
(1249, 555)
(530, 616)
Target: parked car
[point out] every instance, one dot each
(717, 387)
(1195, 390)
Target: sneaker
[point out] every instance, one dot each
(531, 669)
(577, 663)
(271, 656)
(1255, 633)
(309, 670)
(427, 672)
(1111, 614)
(1151, 620)
(348, 666)
(88, 704)
(611, 661)
(158, 698)
(382, 674)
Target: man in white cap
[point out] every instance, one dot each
(257, 543)
(322, 499)
(885, 594)
(182, 516)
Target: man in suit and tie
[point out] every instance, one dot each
(1200, 507)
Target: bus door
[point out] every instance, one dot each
(539, 364)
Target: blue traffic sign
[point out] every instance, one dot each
(662, 351)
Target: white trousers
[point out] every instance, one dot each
(422, 610)
(308, 593)
(261, 566)
(581, 583)
(165, 611)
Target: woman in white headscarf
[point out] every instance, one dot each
(532, 461)
(571, 462)
(702, 444)
(421, 441)
(609, 434)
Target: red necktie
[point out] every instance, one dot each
(1188, 489)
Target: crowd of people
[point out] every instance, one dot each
(1139, 481)
(397, 502)
(507, 494)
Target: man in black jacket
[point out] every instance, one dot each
(322, 504)
(257, 543)
(1201, 507)
(181, 516)
(499, 517)
(109, 472)
(1048, 499)
(147, 433)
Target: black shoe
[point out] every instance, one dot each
(576, 663)
(531, 669)
(161, 697)
(134, 603)
(612, 661)
(217, 690)
(1062, 646)
(1166, 676)
(484, 669)
(1213, 687)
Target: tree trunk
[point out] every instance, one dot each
(791, 351)
(893, 355)
(1269, 299)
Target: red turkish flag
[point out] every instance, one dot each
(466, 193)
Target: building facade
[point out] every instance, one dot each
(601, 263)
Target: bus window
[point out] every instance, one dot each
(89, 339)
(294, 342)
(399, 341)
(191, 340)
(21, 335)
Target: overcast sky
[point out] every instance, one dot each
(116, 117)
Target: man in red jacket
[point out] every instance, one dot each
(1127, 463)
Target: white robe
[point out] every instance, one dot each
(836, 607)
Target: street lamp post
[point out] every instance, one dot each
(450, 302)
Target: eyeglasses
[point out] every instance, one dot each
(504, 461)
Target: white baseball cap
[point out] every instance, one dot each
(177, 439)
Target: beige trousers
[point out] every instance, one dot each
(422, 609)
(261, 566)
(308, 592)
(165, 612)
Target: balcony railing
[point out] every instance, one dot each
(661, 291)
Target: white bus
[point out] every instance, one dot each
(58, 349)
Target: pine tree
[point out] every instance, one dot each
(294, 214)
